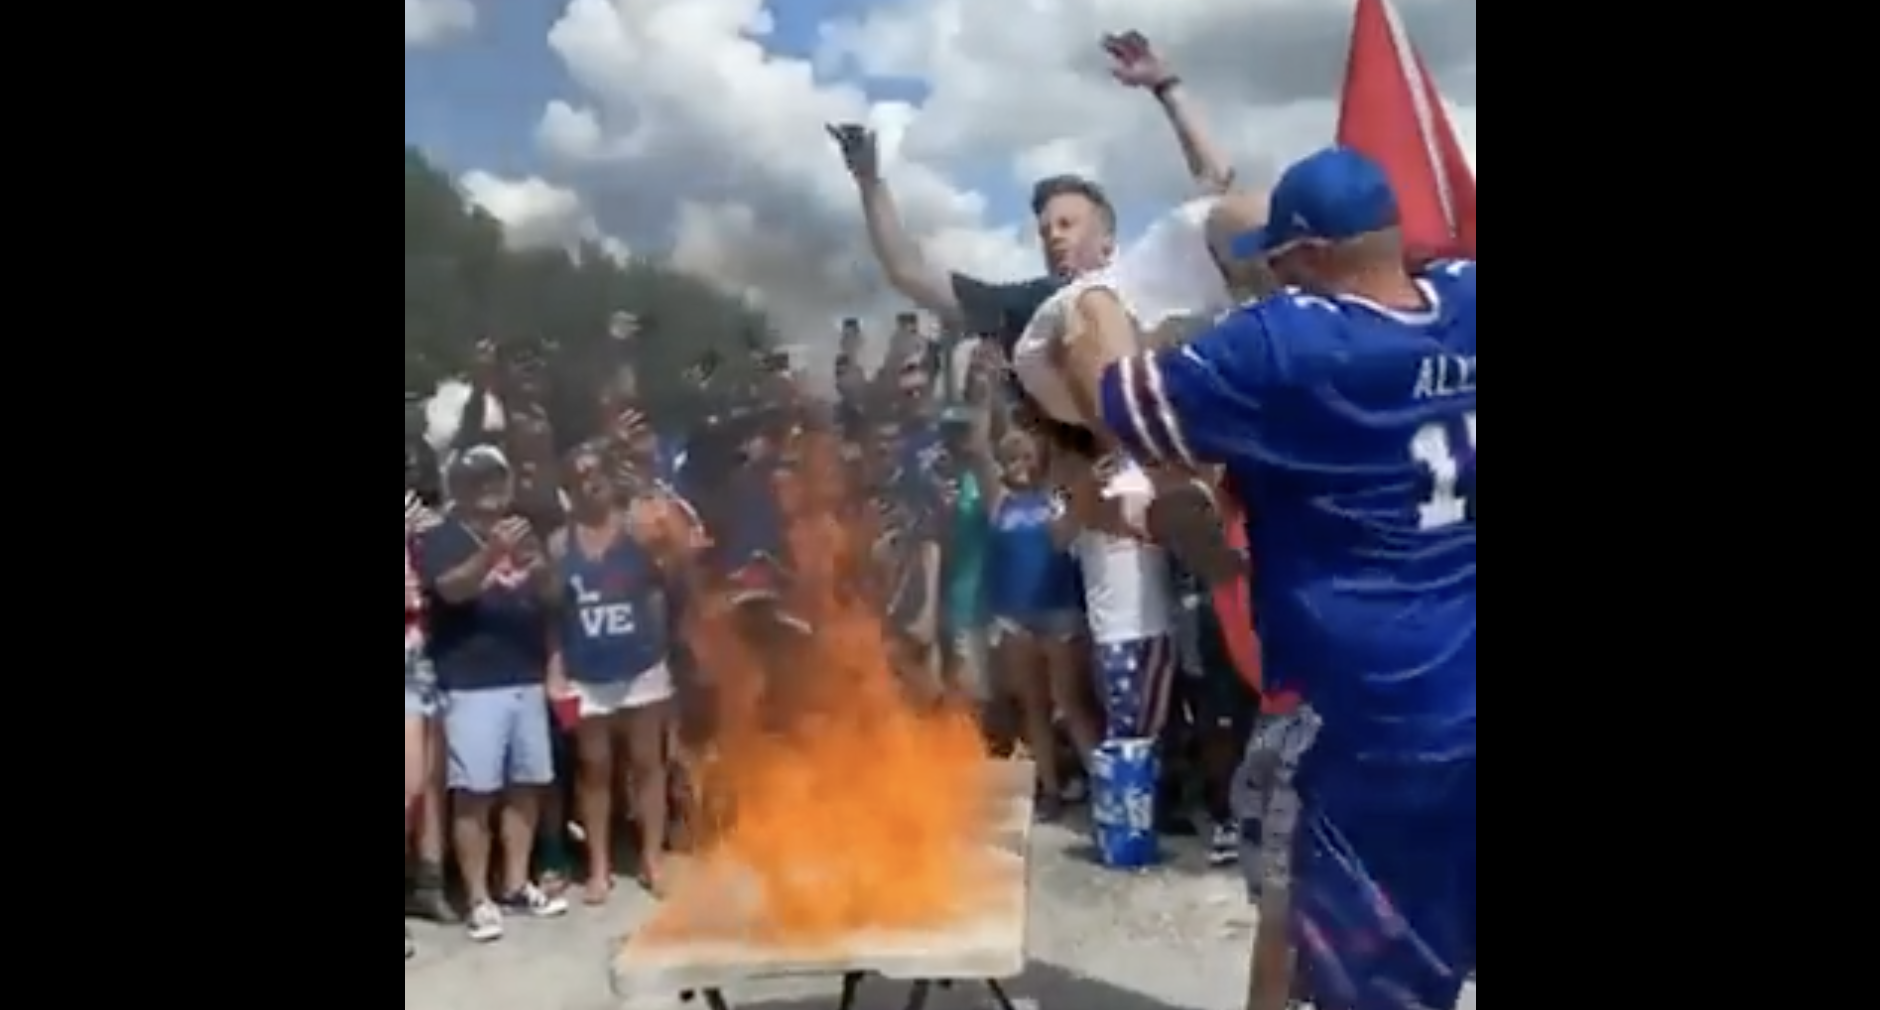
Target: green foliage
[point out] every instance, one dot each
(462, 285)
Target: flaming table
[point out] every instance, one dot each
(986, 947)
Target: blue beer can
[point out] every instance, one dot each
(1123, 775)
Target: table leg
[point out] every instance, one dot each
(999, 998)
(851, 985)
(917, 996)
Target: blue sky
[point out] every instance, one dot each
(474, 102)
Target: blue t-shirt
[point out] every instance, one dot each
(497, 640)
(1351, 430)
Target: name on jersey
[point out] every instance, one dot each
(1445, 375)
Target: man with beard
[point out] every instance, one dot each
(486, 580)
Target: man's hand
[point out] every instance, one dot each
(628, 426)
(925, 629)
(859, 150)
(1184, 519)
(419, 518)
(509, 534)
(556, 681)
(623, 326)
(1134, 63)
(985, 371)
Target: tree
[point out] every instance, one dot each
(462, 284)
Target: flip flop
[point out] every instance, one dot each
(596, 892)
(650, 882)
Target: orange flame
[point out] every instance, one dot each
(846, 804)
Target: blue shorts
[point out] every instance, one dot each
(1384, 884)
(498, 737)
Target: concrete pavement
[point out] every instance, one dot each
(1172, 939)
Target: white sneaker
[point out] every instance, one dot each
(486, 922)
(534, 902)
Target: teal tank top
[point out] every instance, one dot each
(968, 532)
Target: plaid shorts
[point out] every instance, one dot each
(1265, 801)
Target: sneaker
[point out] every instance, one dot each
(1075, 791)
(485, 922)
(535, 903)
(1224, 845)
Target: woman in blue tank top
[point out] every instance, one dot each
(1031, 597)
(608, 670)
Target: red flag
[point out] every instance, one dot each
(1233, 602)
(1391, 111)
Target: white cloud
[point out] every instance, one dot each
(687, 129)
(429, 22)
(537, 214)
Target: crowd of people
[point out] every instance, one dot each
(542, 596)
(1056, 537)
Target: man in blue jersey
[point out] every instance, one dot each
(1343, 410)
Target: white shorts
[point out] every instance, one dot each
(649, 688)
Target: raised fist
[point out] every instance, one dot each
(860, 152)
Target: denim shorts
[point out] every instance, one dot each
(1056, 624)
(498, 737)
(420, 689)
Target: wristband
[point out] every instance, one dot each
(1161, 88)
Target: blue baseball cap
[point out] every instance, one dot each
(1331, 196)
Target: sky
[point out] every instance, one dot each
(692, 129)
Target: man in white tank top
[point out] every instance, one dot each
(1127, 600)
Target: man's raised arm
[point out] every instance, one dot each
(1135, 64)
(963, 303)
(900, 257)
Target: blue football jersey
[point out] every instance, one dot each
(1349, 430)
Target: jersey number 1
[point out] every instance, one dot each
(1447, 451)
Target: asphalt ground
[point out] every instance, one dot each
(1174, 938)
